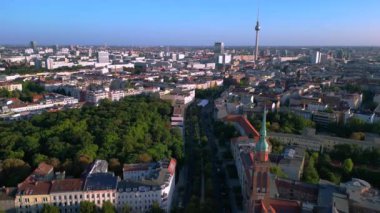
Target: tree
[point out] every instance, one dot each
(145, 158)
(126, 209)
(108, 207)
(357, 136)
(135, 129)
(87, 207)
(50, 209)
(348, 165)
(156, 208)
(193, 206)
(13, 171)
(310, 174)
(114, 165)
(277, 171)
(38, 158)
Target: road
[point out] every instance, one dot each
(221, 192)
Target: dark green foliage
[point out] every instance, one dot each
(124, 130)
(156, 208)
(13, 171)
(87, 207)
(210, 93)
(277, 171)
(29, 88)
(353, 125)
(126, 209)
(108, 207)
(347, 161)
(282, 122)
(310, 174)
(277, 146)
(50, 209)
(224, 132)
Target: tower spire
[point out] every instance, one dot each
(262, 146)
(263, 130)
(257, 29)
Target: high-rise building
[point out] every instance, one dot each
(89, 52)
(103, 57)
(315, 57)
(219, 48)
(33, 45)
(55, 48)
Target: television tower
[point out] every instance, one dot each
(257, 28)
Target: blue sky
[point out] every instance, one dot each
(190, 22)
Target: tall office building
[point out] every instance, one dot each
(33, 45)
(103, 57)
(219, 48)
(56, 48)
(89, 52)
(315, 57)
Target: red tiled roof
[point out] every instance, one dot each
(239, 139)
(172, 166)
(66, 185)
(244, 123)
(43, 169)
(29, 187)
(279, 205)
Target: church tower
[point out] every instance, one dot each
(261, 166)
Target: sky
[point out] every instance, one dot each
(190, 22)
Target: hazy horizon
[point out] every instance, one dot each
(295, 23)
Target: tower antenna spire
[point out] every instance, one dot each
(257, 29)
(258, 10)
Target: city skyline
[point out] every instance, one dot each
(195, 23)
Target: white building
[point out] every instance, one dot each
(93, 97)
(116, 95)
(11, 86)
(315, 57)
(103, 57)
(145, 184)
(66, 194)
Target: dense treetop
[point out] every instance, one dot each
(135, 129)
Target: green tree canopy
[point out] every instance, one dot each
(156, 208)
(348, 165)
(135, 129)
(108, 207)
(50, 209)
(87, 207)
